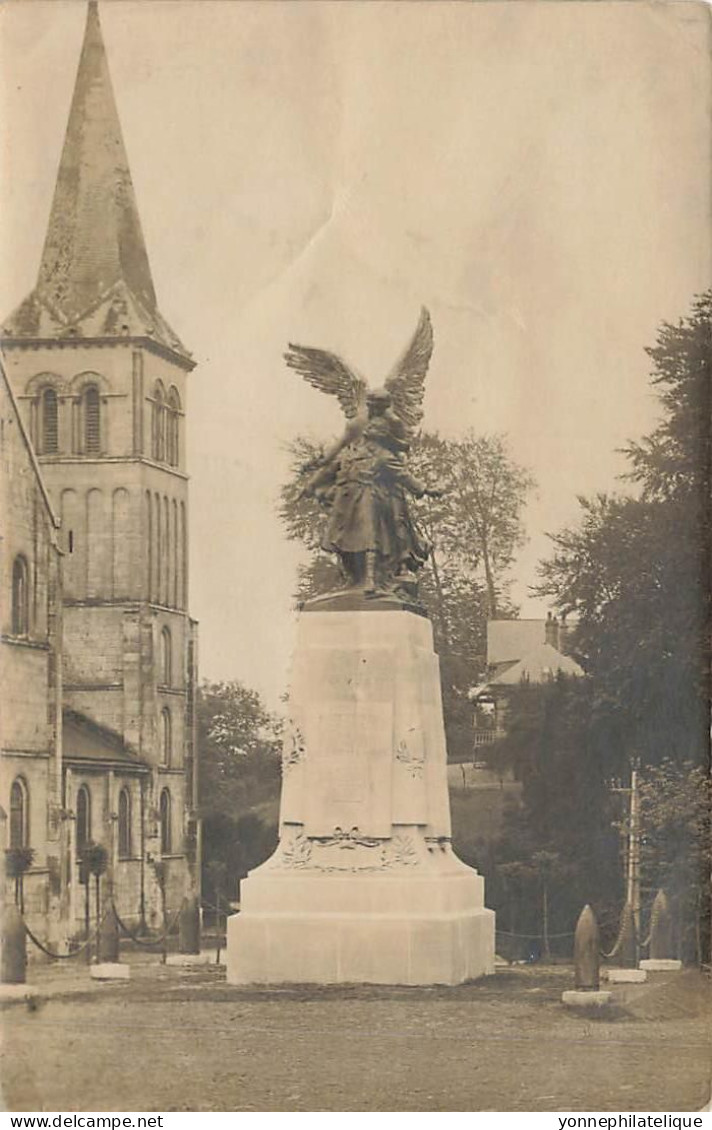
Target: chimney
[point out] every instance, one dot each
(551, 631)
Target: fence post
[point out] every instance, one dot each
(189, 926)
(661, 944)
(14, 947)
(108, 941)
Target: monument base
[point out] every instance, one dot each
(370, 930)
(364, 886)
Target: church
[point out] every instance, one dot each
(98, 653)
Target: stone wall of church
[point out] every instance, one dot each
(30, 664)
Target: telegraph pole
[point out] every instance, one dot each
(633, 877)
(632, 855)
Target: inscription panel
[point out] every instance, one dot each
(349, 768)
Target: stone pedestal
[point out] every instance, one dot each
(110, 971)
(661, 965)
(586, 998)
(205, 957)
(364, 885)
(625, 976)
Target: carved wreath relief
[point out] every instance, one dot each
(346, 851)
(294, 750)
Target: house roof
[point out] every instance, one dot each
(539, 665)
(85, 741)
(509, 640)
(94, 278)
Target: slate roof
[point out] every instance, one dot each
(509, 640)
(94, 278)
(539, 665)
(85, 741)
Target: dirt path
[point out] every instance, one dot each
(186, 1041)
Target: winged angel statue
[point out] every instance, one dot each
(363, 481)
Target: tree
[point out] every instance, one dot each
(478, 521)
(674, 460)
(239, 747)
(635, 571)
(240, 773)
(675, 805)
(474, 531)
(559, 848)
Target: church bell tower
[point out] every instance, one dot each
(101, 379)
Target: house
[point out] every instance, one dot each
(99, 652)
(518, 651)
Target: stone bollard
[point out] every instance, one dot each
(108, 941)
(13, 966)
(661, 958)
(107, 966)
(587, 992)
(587, 945)
(189, 926)
(661, 928)
(189, 936)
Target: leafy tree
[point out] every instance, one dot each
(240, 773)
(239, 749)
(674, 460)
(634, 570)
(559, 848)
(635, 573)
(478, 522)
(675, 805)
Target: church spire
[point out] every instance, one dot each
(94, 277)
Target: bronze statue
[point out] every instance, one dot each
(363, 480)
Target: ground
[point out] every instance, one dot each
(173, 1039)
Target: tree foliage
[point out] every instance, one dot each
(239, 749)
(675, 806)
(634, 569)
(559, 847)
(635, 572)
(240, 773)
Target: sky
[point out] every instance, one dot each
(535, 173)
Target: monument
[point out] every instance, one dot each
(364, 885)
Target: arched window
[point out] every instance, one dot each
(19, 814)
(165, 819)
(92, 420)
(173, 427)
(83, 819)
(49, 433)
(159, 424)
(166, 658)
(20, 597)
(166, 736)
(124, 824)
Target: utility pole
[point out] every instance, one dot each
(633, 877)
(632, 854)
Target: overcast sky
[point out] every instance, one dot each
(537, 174)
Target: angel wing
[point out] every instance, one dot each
(406, 381)
(329, 373)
